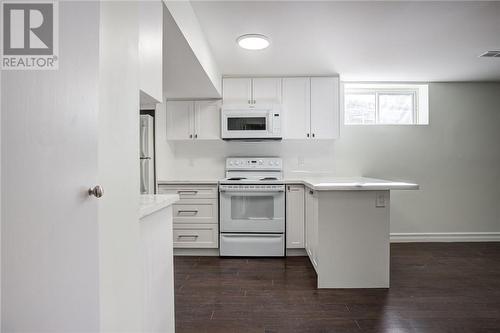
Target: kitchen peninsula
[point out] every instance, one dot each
(342, 223)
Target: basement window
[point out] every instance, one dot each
(386, 104)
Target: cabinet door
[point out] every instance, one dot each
(295, 216)
(207, 120)
(180, 120)
(314, 231)
(308, 220)
(296, 108)
(324, 107)
(266, 90)
(237, 90)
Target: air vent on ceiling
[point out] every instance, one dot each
(490, 54)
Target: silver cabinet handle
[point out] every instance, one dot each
(189, 236)
(314, 135)
(190, 136)
(187, 211)
(193, 192)
(307, 134)
(196, 136)
(96, 191)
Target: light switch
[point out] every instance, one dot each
(380, 200)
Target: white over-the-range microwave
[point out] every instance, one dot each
(251, 122)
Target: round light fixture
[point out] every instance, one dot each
(253, 42)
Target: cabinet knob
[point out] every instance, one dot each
(249, 102)
(196, 136)
(96, 191)
(307, 134)
(190, 136)
(314, 135)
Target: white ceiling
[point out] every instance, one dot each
(377, 41)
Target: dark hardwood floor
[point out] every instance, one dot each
(435, 287)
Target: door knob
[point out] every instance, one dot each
(96, 191)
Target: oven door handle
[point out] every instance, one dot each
(260, 218)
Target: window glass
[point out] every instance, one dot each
(396, 108)
(361, 108)
(386, 104)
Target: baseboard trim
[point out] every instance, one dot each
(296, 252)
(445, 237)
(196, 252)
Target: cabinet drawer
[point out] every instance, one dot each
(196, 211)
(196, 236)
(190, 191)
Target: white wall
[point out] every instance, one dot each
(455, 160)
(121, 280)
(187, 29)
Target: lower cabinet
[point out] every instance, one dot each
(295, 216)
(311, 222)
(195, 215)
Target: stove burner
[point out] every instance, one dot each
(236, 178)
(269, 178)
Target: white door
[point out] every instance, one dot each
(296, 108)
(64, 131)
(207, 120)
(324, 107)
(180, 120)
(237, 90)
(295, 216)
(266, 90)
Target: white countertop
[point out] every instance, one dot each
(328, 183)
(151, 203)
(322, 183)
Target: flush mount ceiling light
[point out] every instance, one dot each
(253, 42)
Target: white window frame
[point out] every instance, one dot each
(419, 92)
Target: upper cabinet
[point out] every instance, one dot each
(266, 90)
(193, 120)
(151, 51)
(324, 107)
(251, 90)
(237, 90)
(296, 108)
(311, 108)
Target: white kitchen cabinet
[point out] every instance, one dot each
(207, 120)
(311, 108)
(311, 222)
(180, 120)
(251, 90)
(324, 107)
(237, 90)
(193, 120)
(295, 209)
(296, 108)
(195, 215)
(266, 90)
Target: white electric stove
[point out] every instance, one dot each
(252, 208)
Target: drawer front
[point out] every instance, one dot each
(196, 236)
(190, 191)
(196, 211)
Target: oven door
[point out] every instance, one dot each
(249, 124)
(252, 211)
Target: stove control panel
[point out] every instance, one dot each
(252, 163)
(250, 188)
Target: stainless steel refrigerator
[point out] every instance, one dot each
(147, 153)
